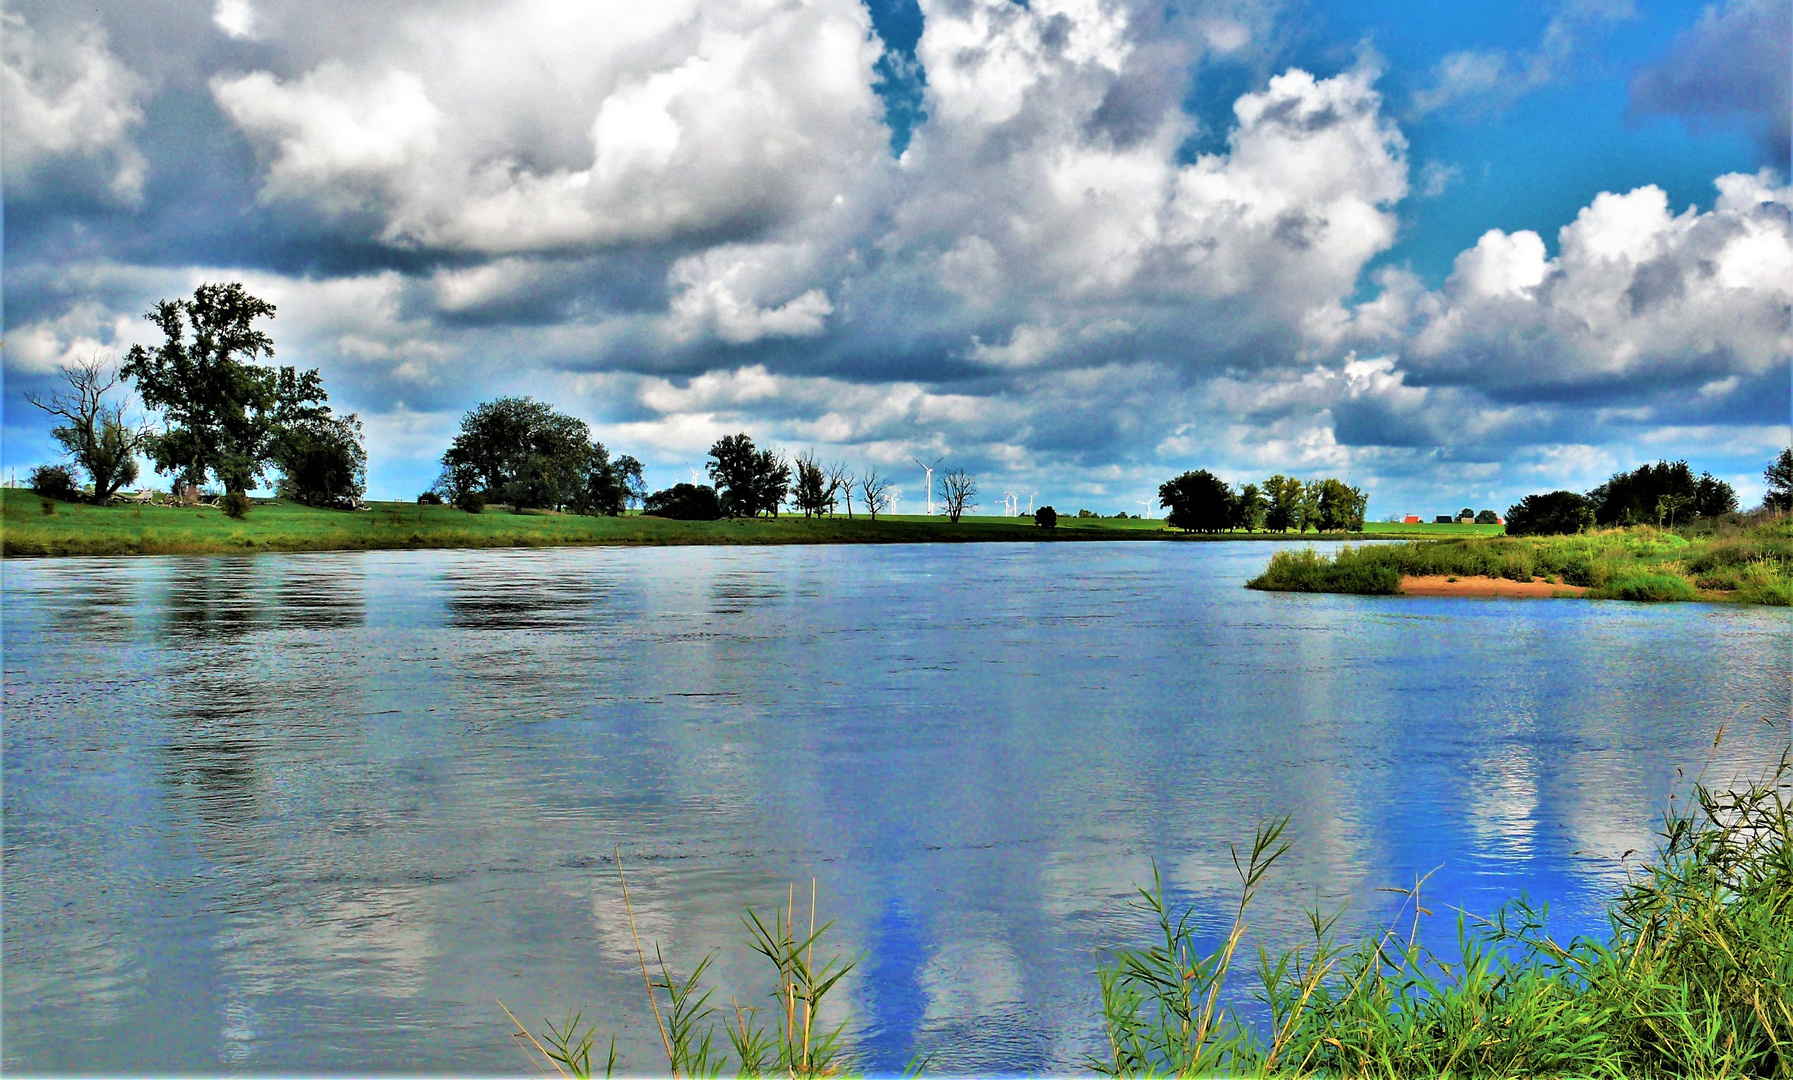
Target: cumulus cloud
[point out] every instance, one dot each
(1637, 299)
(697, 119)
(67, 98)
(1729, 68)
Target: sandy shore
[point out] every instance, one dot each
(1439, 585)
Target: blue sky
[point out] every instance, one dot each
(1456, 253)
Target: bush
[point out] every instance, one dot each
(1046, 517)
(54, 481)
(474, 502)
(684, 502)
(49, 506)
(1487, 517)
(234, 505)
(1555, 514)
(429, 498)
(1307, 571)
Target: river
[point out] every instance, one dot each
(322, 813)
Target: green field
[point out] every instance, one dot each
(1750, 564)
(81, 529)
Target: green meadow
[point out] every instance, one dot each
(274, 525)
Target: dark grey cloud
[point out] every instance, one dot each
(1730, 69)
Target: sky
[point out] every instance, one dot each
(1453, 254)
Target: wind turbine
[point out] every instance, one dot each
(930, 471)
(1011, 504)
(896, 496)
(1147, 503)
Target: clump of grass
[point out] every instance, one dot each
(795, 1044)
(1649, 588)
(1692, 979)
(1308, 571)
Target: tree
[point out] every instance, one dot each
(1553, 514)
(222, 411)
(629, 475)
(1249, 508)
(1198, 501)
(1046, 517)
(519, 451)
(841, 481)
(874, 492)
(749, 481)
(608, 486)
(1340, 507)
(95, 433)
(1779, 477)
(1487, 517)
(1659, 494)
(684, 502)
(1287, 503)
(957, 489)
(814, 489)
(53, 482)
(321, 461)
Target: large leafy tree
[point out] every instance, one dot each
(1660, 494)
(1198, 501)
(1550, 514)
(1780, 482)
(1340, 506)
(222, 411)
(321, 461)
(523, 452)
(95, 430)
(749, 481)
(1288, 506)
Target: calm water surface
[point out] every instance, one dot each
(322, 812)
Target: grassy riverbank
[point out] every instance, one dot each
(1752, 565)
(80, 529)
(1693, 977)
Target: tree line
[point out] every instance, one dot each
(1200, 501)
(223, 416)
(1665, 493)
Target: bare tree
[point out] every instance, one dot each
(957, 489)
(813, 492)
(840, 481)
(97, 434)
(874, 492)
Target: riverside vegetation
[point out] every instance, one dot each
(1692, 978)
(1748, 563)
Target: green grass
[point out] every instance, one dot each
(81, 529)
(1752, 564)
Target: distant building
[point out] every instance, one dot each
(1443, 519)
(1410, 519)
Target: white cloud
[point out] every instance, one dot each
(67, 96)
(236, 18)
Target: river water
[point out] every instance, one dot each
(315, 813)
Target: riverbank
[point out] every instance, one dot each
(1742, 564)
(81, 529)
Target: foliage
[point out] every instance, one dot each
(1779, 478)
(1660, 494)
(609, 487)
(1249, 508)
(1692, 977)
(1288, 504)
(1307, 571)
(520, 451)
(749, 481)
(95, 432)
(1487, 517)
(1753, 565)
(1198, 501)
(685, 502)
(54, 481)
(472, 501)
(429, 498)
(222, 411)
(815, 487)
(235, 505)
(1046, 517)
(48, 506)
(957, 489)
(321, 461)
(1339, 506)
(1552, 514)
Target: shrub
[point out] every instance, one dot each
(1553, 514)
(49, 506)
(1487, 517)
(474, 502)
(1046, 517)
(1306, 571)
(429, 498)
(234, 505)
(54, 481)
(684, 502)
